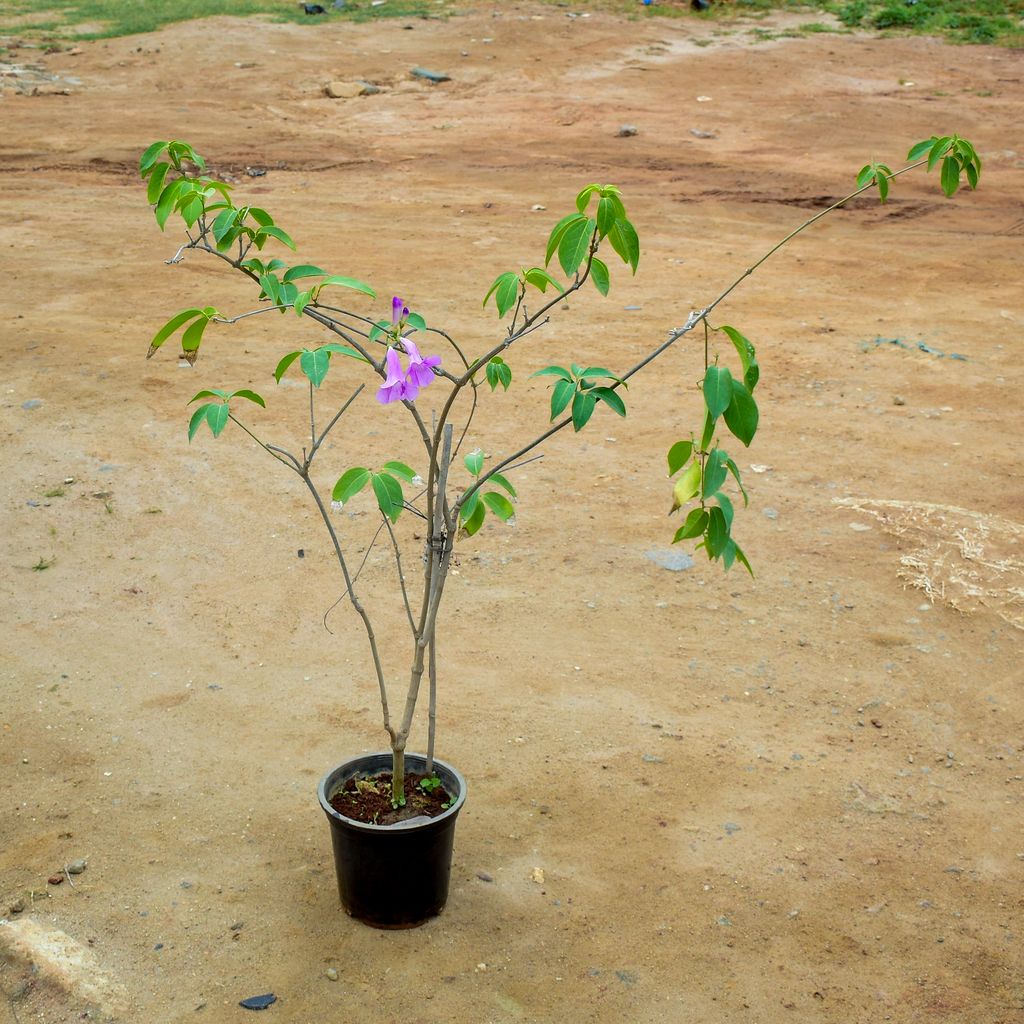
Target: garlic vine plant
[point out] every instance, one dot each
(375, 348)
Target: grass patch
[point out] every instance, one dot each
(49, 20)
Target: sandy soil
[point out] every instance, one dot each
(793, 798)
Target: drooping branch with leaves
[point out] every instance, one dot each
(375, 348)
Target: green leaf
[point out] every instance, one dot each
(502, 481)
(572, 249)
(272, 231)
(417, 322)
(583, 199)
(718, 533)
(400, 469)
(972, 174)
(553, 371)
(865, 174)
(715, 472)
(678, 456)
(343, 350)
(917, 151)
(717, 390)
(192, 210)
(625, 242)
(741, 416)
(156, 182)
(271, 288)
(474, 461)
(557, 232)
(686, 486)
(499, 372)
(197, 417)
(582, 409)
(606, 215)
(540, 279)
(561, 395)
(950, 176)
(170, 327)
(302, 301)
(379, 329)
(473, 522)
(303, 270)
(746, 352)
(939, 149)
(284, 364)
(217, 416)
(389, 495)
(252, 396)
(150, 156)
(709, 431)
(223, 223)
(499, 505)
(260, 216)
(505, 291)
(726, 506)
(740, 557)
(735, 470)
(287, 296)
(193, 336)
(350, 483)
(341, 281)
(165, 204)
(468, 507)
(610, 398)
(597, 371)
(693, 526)
(208, 393)
(883, 185)
(599, 274)
(314, 364)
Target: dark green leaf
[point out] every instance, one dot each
(972, 174)
(599, 274)
(260, 216)
(740, 557)
(505, 291)
(741, 416)
(561, 395)
(389, 495)
(950, 176)
(169, 196)
(693, 526)
(582, 409)
(572, 249)
(499, 505)
(715, 472)
(718, 532)
(499, 372)
(469, 505)
(938, 150)
(271, 288)
(746, 352)
(726, 506)
(708, 432)
(217, 416)
(223, 223)
(717, 390)
(610, 398)
(883, 186)
(350, 483)
(606, 215)
(678, 456)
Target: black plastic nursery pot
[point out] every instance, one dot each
(392, 876)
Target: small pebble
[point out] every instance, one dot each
(537, 875)
(76, 867)
(770, 513)
(55, 879)
(652, 759)
(898, 400)
(331, 974)
(627, 131)
(484, 876)
(32, 403)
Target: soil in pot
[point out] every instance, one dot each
(368, 798)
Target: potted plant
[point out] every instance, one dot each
(392, 815)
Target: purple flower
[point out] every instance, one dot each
(419, 373)
(395, 387)
(399, 310)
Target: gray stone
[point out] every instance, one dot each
(674, 561)
(32, 403)
(627, 131)
(430, 76)
(770, 513)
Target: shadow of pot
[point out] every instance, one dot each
(392, 876)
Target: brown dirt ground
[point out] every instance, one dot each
(738, 790)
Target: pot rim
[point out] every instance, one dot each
(400, 826)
